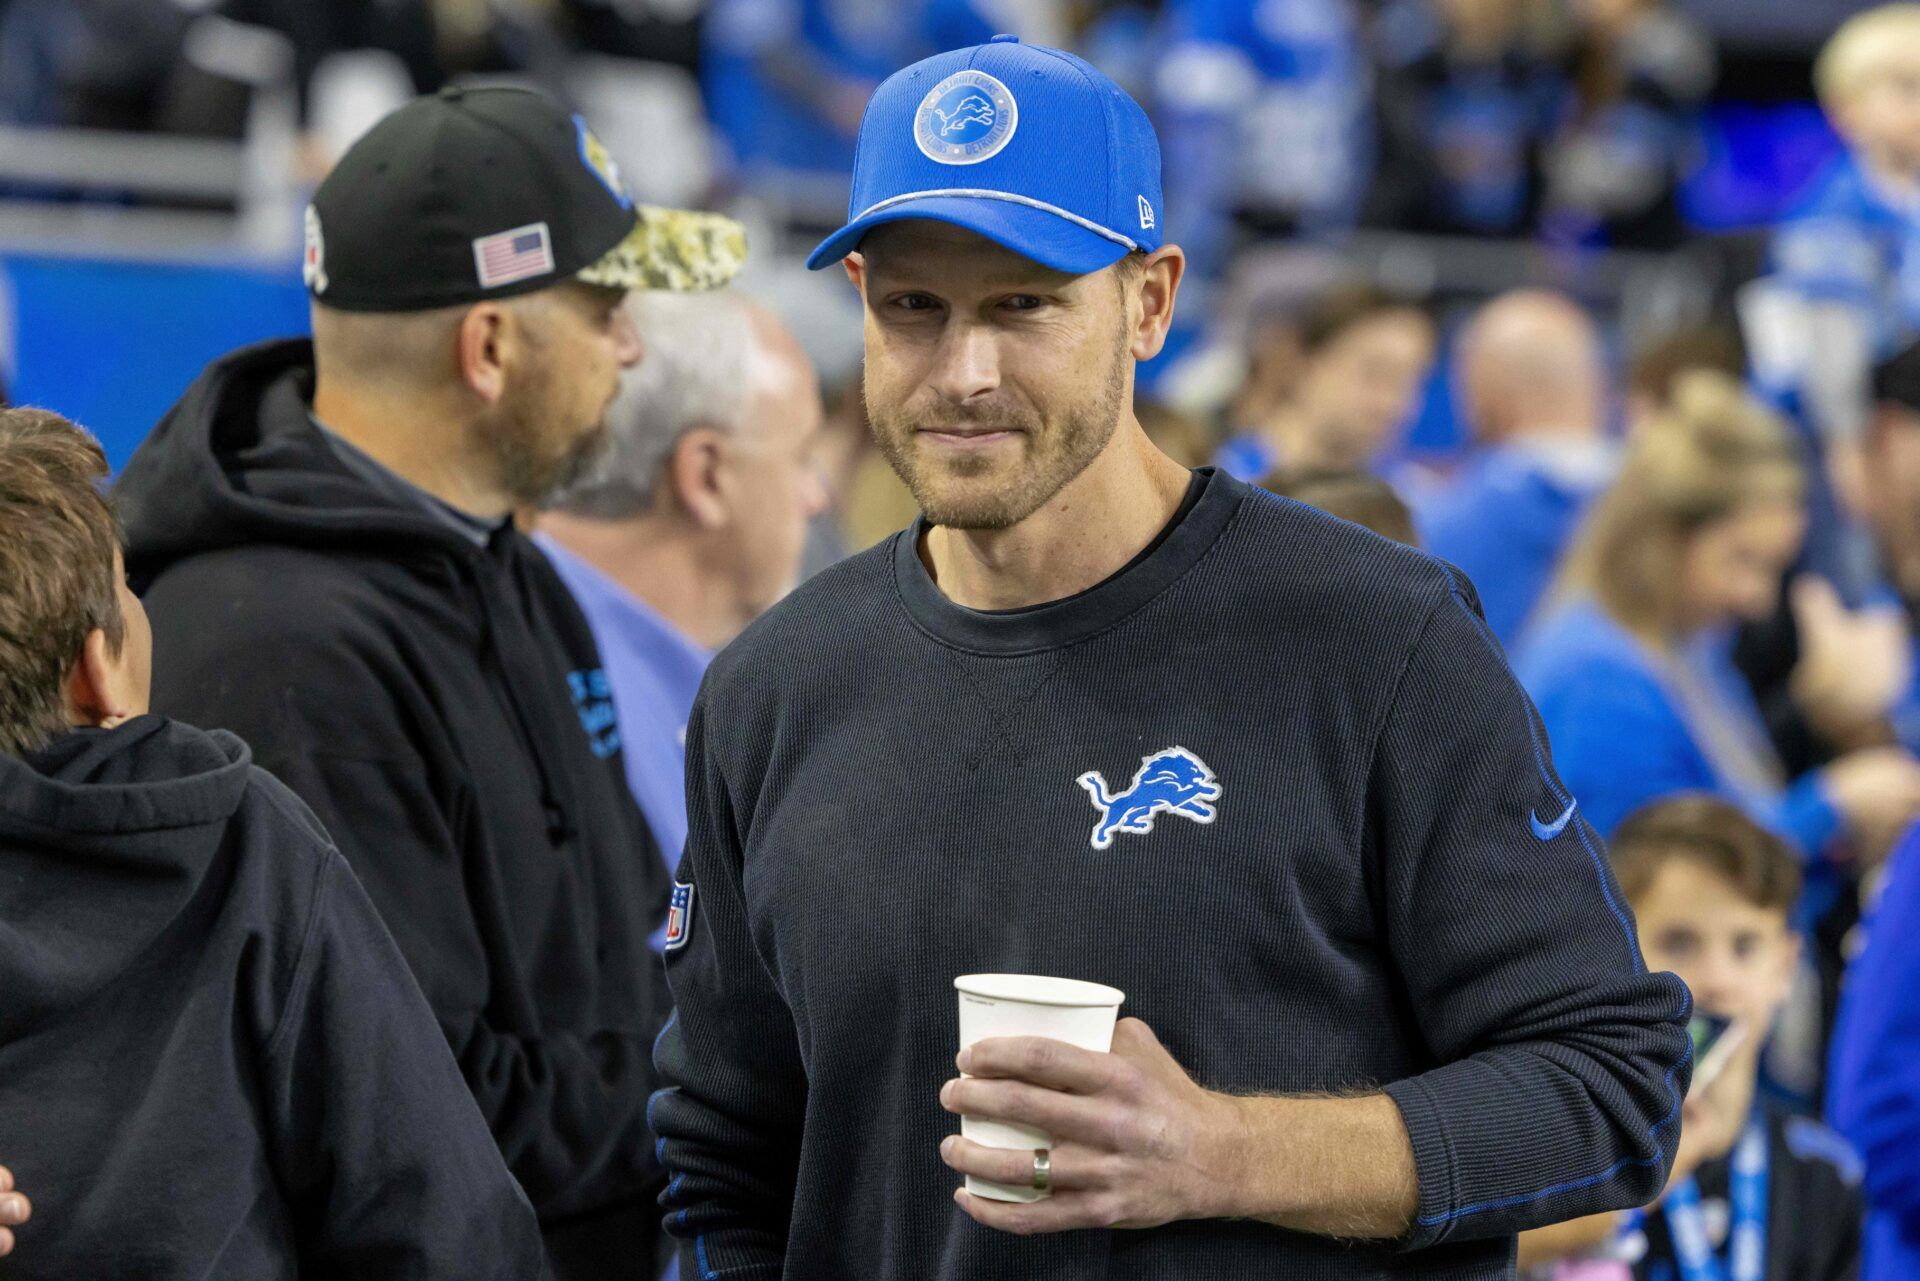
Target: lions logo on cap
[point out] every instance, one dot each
(595, 156)
(966, 118)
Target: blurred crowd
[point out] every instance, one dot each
(1699, 542)
(1574, 119)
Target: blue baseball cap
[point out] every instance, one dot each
(1028, 146)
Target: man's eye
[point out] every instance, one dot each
(1023, 302)
(914, 302)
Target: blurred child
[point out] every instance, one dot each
(1756, 1194)
(1849, 255)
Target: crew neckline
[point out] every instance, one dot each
(1177, 548)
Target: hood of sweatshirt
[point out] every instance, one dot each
(106, 836)
(239, 461)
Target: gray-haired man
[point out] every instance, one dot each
(693, 523)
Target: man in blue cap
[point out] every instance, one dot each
(1097, 716)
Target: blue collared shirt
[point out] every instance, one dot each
(654, 672)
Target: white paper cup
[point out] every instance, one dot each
(1069, 1010)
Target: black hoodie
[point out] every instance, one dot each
(213, 1063)
(440, 706)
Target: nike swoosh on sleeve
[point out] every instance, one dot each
(1547, 831)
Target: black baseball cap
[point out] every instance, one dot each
(470, 194)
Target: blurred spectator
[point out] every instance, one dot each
(1657, 367)
(1183, 437)
(1628, 126)
(1263, 110)
(98, 64)
(1892, 477)
(1850, 254)
(1358, 496)
(1364, 356)
(1874, 1088)
(787, 82)
(425, 35)
(1713, 895)
(1464, 99)
(1631, 668)
(1533, 384)
(1266, 301)
(692, 524)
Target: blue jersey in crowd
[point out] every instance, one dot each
(1265, 108)
(770, 126)
(1459, 137)
(1853, 242)
(1874, 1086)
(1505, 519)
(1628, 726)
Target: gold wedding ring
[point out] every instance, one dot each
(1042, 1169)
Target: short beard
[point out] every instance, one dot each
(517, 435)
(1056, 453)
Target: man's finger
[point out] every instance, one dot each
(6, 1179)
(1063, 1212)
(1070, 1167)
(15, 1209)
(1054, 1064)
(1064, 1116)
(6, 1242)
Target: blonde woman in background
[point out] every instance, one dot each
(1631, 664)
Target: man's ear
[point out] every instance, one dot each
(696, 471)
(481, 349)
(856, 269)
(1159, 283)
(91, 699)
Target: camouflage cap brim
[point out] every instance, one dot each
(673, 249)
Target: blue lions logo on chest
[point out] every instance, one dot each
(1174, 781)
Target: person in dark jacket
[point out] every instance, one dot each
(323, 534)
(1098, 716)
(213, 1061)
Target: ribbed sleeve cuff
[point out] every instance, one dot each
(727, 1256)
(1435, 1168)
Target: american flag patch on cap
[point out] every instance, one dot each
(520, 254)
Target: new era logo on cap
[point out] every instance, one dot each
(520, 254)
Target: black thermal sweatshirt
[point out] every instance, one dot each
(437, 704)
(213, 1062)
(1273, 781)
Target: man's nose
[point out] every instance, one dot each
(967, 363)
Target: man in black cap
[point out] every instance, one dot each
(324, 536)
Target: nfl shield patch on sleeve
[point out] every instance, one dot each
(679, 916)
